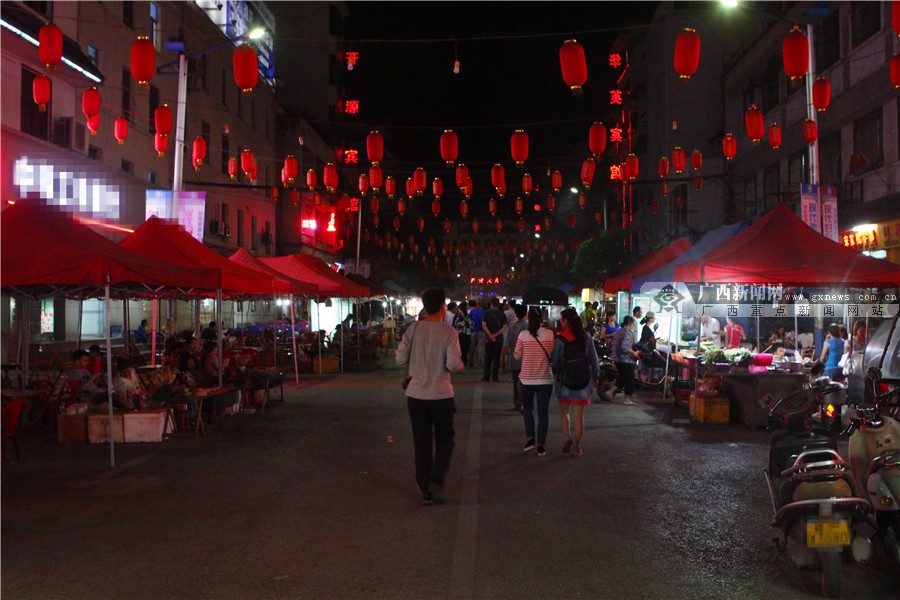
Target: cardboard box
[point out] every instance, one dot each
(713, 410)
(71, 429)
(98, 428)
(145, 425)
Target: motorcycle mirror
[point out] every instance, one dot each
(874, 374)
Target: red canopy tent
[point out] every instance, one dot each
(648, 264)
(297, 287)
(169, 242)
(349, 289)
(781, 248)
(295, 269)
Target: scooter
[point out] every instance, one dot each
(875, 457)
(608, 371)
(815, 502)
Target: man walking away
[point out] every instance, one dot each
(509, 347)
(494, 325)
(431, 349)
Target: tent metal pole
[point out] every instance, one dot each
(358, 333)
(109, 382)
(80, 321)
(219, 327)
(153, 327)
(341, 329)
(24, 339)
(294, 341)
(319, 333)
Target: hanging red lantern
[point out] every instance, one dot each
(654, 207)
(198, 152)
(161, 143)
(253, 175)
(678, 159)
(573, 65)
(679, 202)
(753, 121)
(401, 206)
(330, 177)
(464, 209)
(247, 161)
(895, 16)
(93, 124)
(437, 187)
(246, 67)
(120, 129)
(664, 189)
(50, 46)
(498, 226)
(390, 187)
(295, 196)
(317, 198)
(597, 138)
(311, 179)
(518, 145)
(284, 177)
(375, 177)
(436, 207)
(374, 204)
(810, 131)
(420, 224)
(520, 225)
(582, 201)
(162, 119)
(492, 207)
(519, 206)
(40, 91)
(290, 168)
(410, 187)
(274, 193)
(556, 181)
(573, 221)
(696, 160)
(632, 167)
(729, 146)
(501, 191)
(551, 203)
(527, 184)
(396, 223)
(448, 226)
(774, 136)
(420, 181)
(363, 184)
(698, 182)
(687, 53)
(374, 147)
(462, 175)
(475, 226)
(143, 61)
(663, 168)
(587, 172)
(498, 177)
(598, 217)
(795, 53)
(895, 70)
(821, 93)
(233, 168)
(449, 148)
(90, 102)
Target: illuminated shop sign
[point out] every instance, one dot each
(73, 191)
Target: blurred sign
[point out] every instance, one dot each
(191, 209)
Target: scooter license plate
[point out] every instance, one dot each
(827, 534)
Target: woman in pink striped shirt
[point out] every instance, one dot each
(536, 379)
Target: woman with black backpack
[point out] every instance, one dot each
(577, 370)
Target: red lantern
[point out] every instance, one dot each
(551, 203)
(895, 70)
(93, 124)
(437, 187)
(520, 225)
(50, 46)
(464, 209)
(573, 65)
(247, 161)
(396, 223)
(448, 226)
(527, 184)
(895, 16)
(518, 145)
(573, 221)
(462, 175)
(821, 93)
(556, 181)
(519, 206)
(420, 224)
(161, 143)
(795, 53)
(410, 187)
(436, 207)
(246, 67)
(374, 147)
(729, 146)
(290, 168)
(678, 159)
(363, 184)
(162, 118)
(120, 129)
(547, 224)
(597, 139)
(582, 201)
(40, 91)
(679, 202)
(390, 187)
(753, 121)
(687, 53)
(254, 172)
(198, 152)
(698, 182)
(475, 226)
(498, 177)
(696, 160)
(774, 136)
(632, 167)
(498, 227)
(401, 206)
(375, 177)
(233, 168)
(598, 217)
(311, 179)
(420, 180)
(664, 189)
(663, 168)
(587, 172)
(810, 131)
(492, 207)
(90, 102)
(449, 148)
(654, 207)
(295, 197)
(330, 177)
(143, 61)
(374, 204)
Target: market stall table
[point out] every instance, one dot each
(745, 389)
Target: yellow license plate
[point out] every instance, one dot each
(827, 534)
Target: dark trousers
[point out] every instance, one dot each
(464, 341)
(517, 401)
(492, 352)
(540, 395)
(432, 425)
(625, 381)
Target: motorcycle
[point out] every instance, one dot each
(875, 457)
(608, 371)
(815, 502)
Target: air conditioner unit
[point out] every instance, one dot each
(69, 133)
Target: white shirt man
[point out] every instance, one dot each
(709, 330)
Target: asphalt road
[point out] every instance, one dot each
(314, 501)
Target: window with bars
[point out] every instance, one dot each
(128, 13)
(225, 149)
(155, 27)
(33, 121)
(868, 139)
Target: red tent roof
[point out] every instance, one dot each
(781, 248)
(169, 242)
(42, 246)
(648, 264)
(295, 269)
(349, 288)
(297, 287)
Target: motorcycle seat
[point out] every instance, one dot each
(814, 490)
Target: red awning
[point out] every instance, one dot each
(295, 269)
(648, 264)
(297, 287)
(349, 289)
(781, 248)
